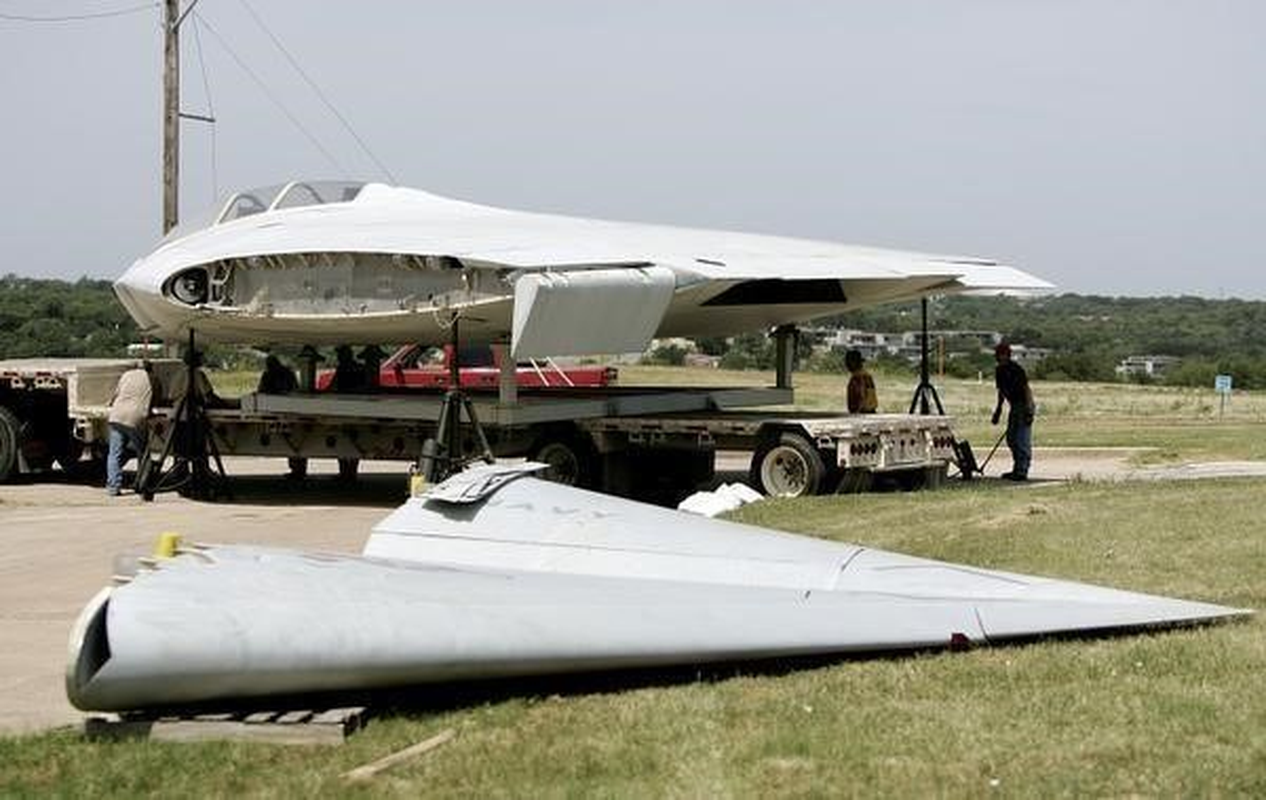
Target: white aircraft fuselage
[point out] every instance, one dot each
(326, 263)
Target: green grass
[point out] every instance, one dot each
(1163, 424)
(1171, 714)
(1175, 424)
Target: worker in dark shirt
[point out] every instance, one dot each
(1013, 386)
(349, 374)
(861, 396)
(277, 378)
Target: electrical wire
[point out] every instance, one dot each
(118, 12)
(272, 97)
(317, 90)
(206, 87)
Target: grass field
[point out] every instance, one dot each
(1180, 713)
(1174, 714)
(1175, 424)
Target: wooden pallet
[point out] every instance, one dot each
(308, 727)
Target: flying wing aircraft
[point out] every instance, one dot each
(339, 262)
(496, 573)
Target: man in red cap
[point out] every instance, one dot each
(1013, 386)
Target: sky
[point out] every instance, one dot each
(1113, 147)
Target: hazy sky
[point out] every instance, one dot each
(1110, 146)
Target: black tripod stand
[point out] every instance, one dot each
(444, 455)
(189, 444)
(925, 389)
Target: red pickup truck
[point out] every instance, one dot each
(414, 367)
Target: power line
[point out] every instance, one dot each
(317, 89)
(272, 97)
(206, 87)
(118, 12)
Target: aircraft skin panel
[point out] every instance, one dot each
(621, 308)
(399, 220)
(595, 583)
(537, 524)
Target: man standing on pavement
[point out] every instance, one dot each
(129, 410)
(1013, 386)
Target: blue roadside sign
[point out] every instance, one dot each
(1222, 384)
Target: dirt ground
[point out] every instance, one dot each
(60, 540)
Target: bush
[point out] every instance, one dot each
(672, 355)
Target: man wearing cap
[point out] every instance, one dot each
(1013, 386)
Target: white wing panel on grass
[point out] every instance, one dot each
(540, 578)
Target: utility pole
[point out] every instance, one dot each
(171, 113)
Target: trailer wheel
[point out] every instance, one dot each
(570, 462)
(10, 443)
(789, 466)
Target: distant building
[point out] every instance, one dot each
(146, 350)
(868, 343)
(1149, 366)
(909, 344)
(1024, 354)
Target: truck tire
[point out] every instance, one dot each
(10, 443)
(789, 466)
(571, 461)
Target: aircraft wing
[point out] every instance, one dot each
(508, 575)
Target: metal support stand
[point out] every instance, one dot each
(443, 455)
(188, 444)
(925, 389)
(784, 354)
(308, 360)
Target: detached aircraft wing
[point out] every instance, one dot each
(369, 263)
(500, 574)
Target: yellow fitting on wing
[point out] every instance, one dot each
(417, 484)
(167, 545)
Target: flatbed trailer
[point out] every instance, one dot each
(626, 440)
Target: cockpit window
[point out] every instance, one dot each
(315, 193)
(295, 194)
(248, 203)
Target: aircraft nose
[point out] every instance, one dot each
(134, 294)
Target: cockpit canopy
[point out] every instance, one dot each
(247, 203)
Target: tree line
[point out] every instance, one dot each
(58, 318)
(1087, 335)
